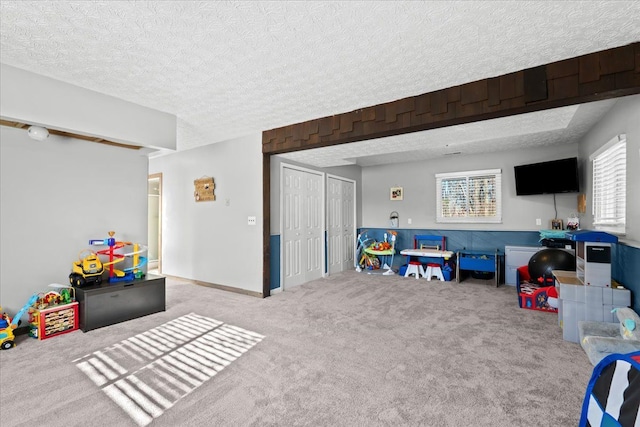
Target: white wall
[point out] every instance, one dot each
(55, 196)
(624, 117)
(419, 185)
(35, 99)
(211, 241)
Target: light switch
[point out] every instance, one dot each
(252, 220)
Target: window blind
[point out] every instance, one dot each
(610, 186)
(473, 196)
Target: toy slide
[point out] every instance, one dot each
(128, 273)
(138, 261)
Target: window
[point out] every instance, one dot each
(610, 186)
(469, 196)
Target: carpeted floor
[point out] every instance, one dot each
(350, 350)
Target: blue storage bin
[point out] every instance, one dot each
(477, 263)
(402, 270)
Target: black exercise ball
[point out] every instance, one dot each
(541, 264)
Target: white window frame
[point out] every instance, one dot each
(496, 173)
(609, 186)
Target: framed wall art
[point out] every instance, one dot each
(396, 193)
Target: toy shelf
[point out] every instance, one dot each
(481, 261)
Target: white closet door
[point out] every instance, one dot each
(348, 226)
(341, 227)
(302, 227)
(335, 238)
(313, 226)
(292, 233)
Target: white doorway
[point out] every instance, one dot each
(340, 223)
(302, 225)
(154, 223)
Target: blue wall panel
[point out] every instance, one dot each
(625, 268)
(461, 239)
(274, 262)
(626, 271)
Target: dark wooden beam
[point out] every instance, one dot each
(601, 75)
(266, 225)
(20, 125)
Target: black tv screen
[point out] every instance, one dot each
(556, 176)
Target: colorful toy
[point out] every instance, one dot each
(376, 250)
(53, 320)
(7, 325)
(361, 259)
(535, 296)
(89, 268)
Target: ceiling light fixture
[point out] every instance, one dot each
(38, 133)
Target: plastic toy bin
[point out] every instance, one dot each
(486, 261)
(474, 262)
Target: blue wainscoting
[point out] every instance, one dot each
(625, 268)
(461, 239)
(274, 262)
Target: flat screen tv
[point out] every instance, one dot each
(556, 176)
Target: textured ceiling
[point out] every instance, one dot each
(228, 69)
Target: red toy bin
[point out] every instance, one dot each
(53, 321)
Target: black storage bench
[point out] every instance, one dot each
(110, 303)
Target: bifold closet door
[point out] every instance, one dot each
(302, 227)
(340, 226)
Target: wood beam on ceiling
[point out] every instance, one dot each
(21, 125)
(601, 75)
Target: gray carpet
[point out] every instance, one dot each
(350, 350)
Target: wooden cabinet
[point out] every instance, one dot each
(110, 303)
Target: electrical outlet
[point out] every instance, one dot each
(409, 220)
(538, 221)
(252, 220)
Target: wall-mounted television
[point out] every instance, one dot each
(556, 176)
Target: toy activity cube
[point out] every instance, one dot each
(53, 321)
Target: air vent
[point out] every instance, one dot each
(453, 154)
